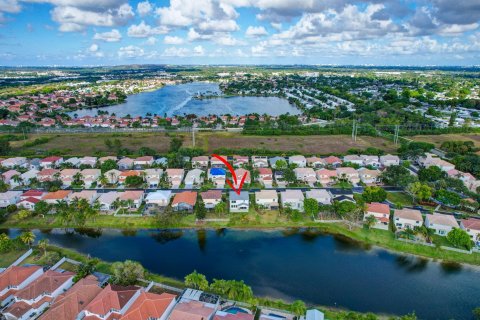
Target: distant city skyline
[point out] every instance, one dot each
(345, 32)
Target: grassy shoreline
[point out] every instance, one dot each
(373, 237)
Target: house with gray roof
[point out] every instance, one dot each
(239, 202)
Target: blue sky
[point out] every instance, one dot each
(112, 32)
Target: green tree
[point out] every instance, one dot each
(196, 280)
(311, 207)
(420, 191)
(126, 273)
(4, 147)
(133, 181)
(374, 194)
(6, 244)
(108, 165)
(431, 174)
(460, 238)
(175, 144)
(427, 233)
(298, 308)
(476, 313)
(447, 197)
(200, 210)
(370, 221)
(397, 176)
(27, 237)
(43, 245)
(84, 269)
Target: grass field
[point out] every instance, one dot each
(94, 143)
(9, 257)
(438, 139)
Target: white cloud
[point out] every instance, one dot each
(173, 40)
(130, 52)
(76, 16)
(109, 36)
(198, 51)
(10, 6)
(144, 30)
(144, 8)
(93, 48)
(175, 52)
(228, 41)
(254, 32)
(151, 41)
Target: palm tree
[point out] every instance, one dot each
(196, 280)
(427, 233)
(112, 176)
(43, 244)
(27, 238)
(17, 179)
(370, 221)
(77, 178)
(103, 180)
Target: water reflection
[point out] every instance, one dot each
(89, 232)
(411, 264)
(129, 232)
(202, 239)
(165, 236)
(345, 244)
(310, 234)
(449, 267)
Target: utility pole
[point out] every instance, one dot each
(193, 136)
(354, 124)
(397, 132)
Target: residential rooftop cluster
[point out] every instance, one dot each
(52, 293)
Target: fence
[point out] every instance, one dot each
(456, 249)
(22, 257)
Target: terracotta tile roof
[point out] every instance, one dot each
(30, 199)
(47, 172)
(409, 214)
(57, 195)
(264, 171)
(192, 310)
(131, 195)
(15, 275)
(148, 306)
(69, 304)
(33, 193)
(189, 197)
(129, 173)
(333, 159)
(47, 282)
(211, 194)
(442, 219)
(378, 207)
(51, 159)
(111, 297)
(18, 309)
(472, 224)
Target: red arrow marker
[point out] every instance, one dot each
(230, 168)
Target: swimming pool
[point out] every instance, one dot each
(235, 310)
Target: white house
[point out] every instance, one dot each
(369, 160)
(441, 223)
(298, 160)
(90, 176)
(153, 177)
(267, 199)
(11, 163)
(389, 160)
(239, 202)
(381, 212)
(259, 162)
(112, 176)
(292, 199)
(194, 178)
(407, 218)
(107, 200)
(322, 196)
(306, 175)
(353, 158)
(472, 227)
(158, 199)
(9, 198)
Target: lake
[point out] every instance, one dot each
(293, 264)
(178, 100)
